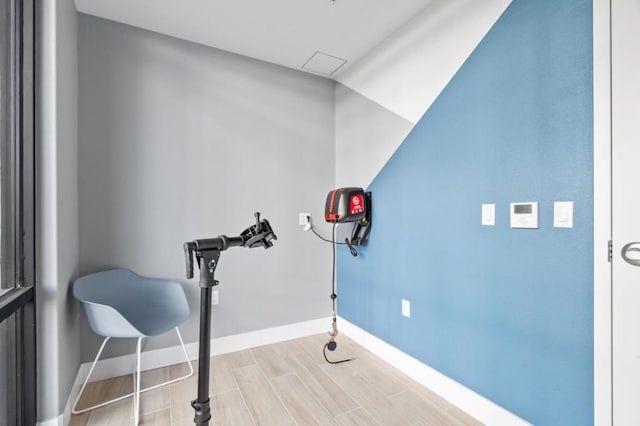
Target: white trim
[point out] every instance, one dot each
(121, 365)
(56, 421)
(464, 398)
(602, 284)
(75, 390)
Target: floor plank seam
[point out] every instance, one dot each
(151, 412)
(312, 393)
(359, 407)
(279, 398)
(244, 401)
(332, 381)
(345, 391)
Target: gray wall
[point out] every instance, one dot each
(57, 208)
(180, 141)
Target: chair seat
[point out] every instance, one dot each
(120, 303)
(155, 321)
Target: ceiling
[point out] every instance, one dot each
(284, 32)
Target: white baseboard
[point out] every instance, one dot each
(464, 398)
(121, 365)
(57, 421)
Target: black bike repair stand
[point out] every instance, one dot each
(208, 260)
(207, 253)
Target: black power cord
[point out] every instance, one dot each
(324, 352)
(352, 249)
(331, 344)
(313, 229)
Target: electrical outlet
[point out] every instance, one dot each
(406, 308)
(304, 218)
(214, 297)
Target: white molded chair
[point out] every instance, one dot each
(120, 303)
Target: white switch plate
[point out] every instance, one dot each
(489, 214)
(563, 214)
(406, 308)
(214, 297)
(302, 220)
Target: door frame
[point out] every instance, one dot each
(602, 217)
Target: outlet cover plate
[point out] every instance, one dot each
(406, 308)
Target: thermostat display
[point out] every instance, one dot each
(524, 215)
(522, 209)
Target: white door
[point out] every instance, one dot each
(625, 52)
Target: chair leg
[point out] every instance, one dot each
(186, 376)
(136, 391)
(137, 384)
(186, 356)
(93, 365)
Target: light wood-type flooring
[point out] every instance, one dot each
(287, 383)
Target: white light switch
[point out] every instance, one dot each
(406, 308)
(489, 214)
(563, 214)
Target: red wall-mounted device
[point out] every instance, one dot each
(345, 205)
(350, 205)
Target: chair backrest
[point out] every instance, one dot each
(117, 303)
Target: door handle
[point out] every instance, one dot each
(631, 253)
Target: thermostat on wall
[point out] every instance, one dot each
(524, 215)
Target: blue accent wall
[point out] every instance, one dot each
(506, 312)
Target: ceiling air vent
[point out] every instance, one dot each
(322, 63)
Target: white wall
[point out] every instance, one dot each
(405, 74)
(179, 141)
(366, 136)
(58, 357)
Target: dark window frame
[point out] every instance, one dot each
(20, 300)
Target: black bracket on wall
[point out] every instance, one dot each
(361, 230)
